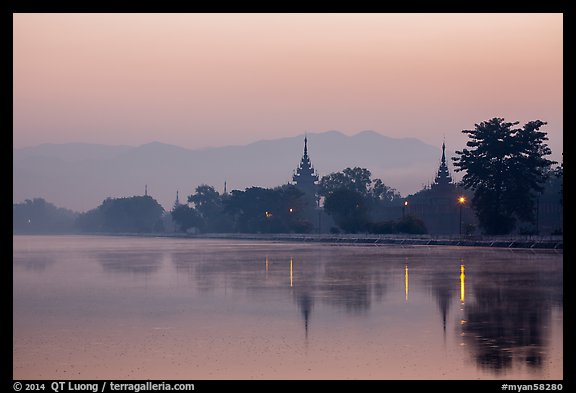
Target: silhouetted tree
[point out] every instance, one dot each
(268, 210)
(90, 221)
(382, 227)
(185, 218)
(380, 192)
(559, 173)
(348, 208)
(39, 216)
(133, 214)
(353, 179)
(548, 207)
(353, 192)
(208, 203)
(505, 168)
(408, 224)
(251, 208)
(411, 224)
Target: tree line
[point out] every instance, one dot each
(504, 166)
(351, 198)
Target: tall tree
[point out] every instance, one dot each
(353, 179)
(206, 200)
(209, 206)
(133, 214)
(185, 218)
(380, 192)
(348, 208)
(505, 168)
(352, 196)
(358, 180)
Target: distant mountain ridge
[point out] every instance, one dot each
(79, 176)
(71, 151)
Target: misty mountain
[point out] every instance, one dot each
(71, 152)
(81, 176)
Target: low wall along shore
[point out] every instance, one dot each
(532, 242)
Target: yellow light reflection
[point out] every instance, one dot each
(406, 281)
(266, 263)
(290, 272)
(462, 284)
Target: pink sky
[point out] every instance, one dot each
(199, 80)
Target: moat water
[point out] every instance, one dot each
(103, 307)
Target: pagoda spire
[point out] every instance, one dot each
(305, 179)
(305, 175)
(443, 175)
(177, 201)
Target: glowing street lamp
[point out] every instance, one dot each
(404, 206)
(461, 201)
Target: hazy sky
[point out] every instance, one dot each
(199, 80)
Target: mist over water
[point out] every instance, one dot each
(95, 307)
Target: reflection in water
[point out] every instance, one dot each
(442, 282)
(406, 279)
(462, 284)
(349, 290)
(508, 319)
(303, 291)
(34, 262)
(221, 309)
(290, 272)
(349, 285)
(353, 285)
(305, 303)
(501, 321)
(130, 262)
(305, 288)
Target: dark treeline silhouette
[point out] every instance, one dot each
(548, 203)
(137, 214)
(39, 216)
(511, 187)
(359, 203)
(351, 197)
(254, 210)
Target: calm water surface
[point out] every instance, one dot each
(88, 307)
